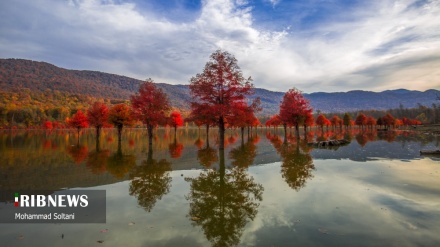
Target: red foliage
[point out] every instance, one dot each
(176, 119)
(336, 121)
(150, 104)
(97, 115)
(47, 125)
(371, 121)
(294, 108)
(406, 121)
(361, 120)
(120, 115)
(273, 121)
(321, 120)
(78, 121)
(219, 89)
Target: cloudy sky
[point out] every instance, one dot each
(314, 45)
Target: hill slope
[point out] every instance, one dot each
(16, 74)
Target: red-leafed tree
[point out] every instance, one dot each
(371, 121)
(175, 120)
(294, 109)
(48, 125)
(361, 120)
(273, 121)
(120, 115)
(388, 120)
(97, 116)
(78, 121)
(244, 116)
(321, 120)
(336, 121)
(310, 121)
(150, 105)
(200, 115)
(219, 88)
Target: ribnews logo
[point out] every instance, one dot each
(50, 200)
(66, 206)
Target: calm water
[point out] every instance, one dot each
(376, 191)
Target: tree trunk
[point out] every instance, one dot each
(207, 135)
(119, 136)
(78, 137)
(297, 131)
(285, 133)
(242, 134)
(221, 129)
(150, 135)
(98, 134)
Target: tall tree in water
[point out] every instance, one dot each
(294, 109)
(97, 116)
(150, 105)
(119, 116)
(219, 88)
(78, 121)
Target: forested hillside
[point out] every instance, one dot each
(38, 90)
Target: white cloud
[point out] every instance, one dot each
(384, 45)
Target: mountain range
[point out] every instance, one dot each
(16, 74)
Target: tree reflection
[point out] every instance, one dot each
(296, 166)
(222, 202)
(150, 181)
(97, 161)
(175, 149)
(244, 155)
(78, 153)
(119, 164)
(207, 156)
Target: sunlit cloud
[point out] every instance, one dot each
(313, 45)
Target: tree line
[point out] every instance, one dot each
(220, 98)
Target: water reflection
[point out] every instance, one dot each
(244, 155)
(150, 181)
(222, 202)
(297, 165)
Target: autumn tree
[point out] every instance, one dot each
(78, 121)
(150, 105)
(219, 88)
(371, 121)
(97, 116)
(175, 120)
(294, 109)
(336, 121)
(321, 120)
(244, 116)
(120, 115)
(361, 120)
(273, 121)
(200, 115)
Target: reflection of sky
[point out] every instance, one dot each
(346, 203)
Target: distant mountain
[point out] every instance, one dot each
(40, 76)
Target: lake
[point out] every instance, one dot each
(260, 191)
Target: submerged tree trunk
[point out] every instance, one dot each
(207, 134)
(297, 131)
(221, 130)
(150, 135)
(98, 134)
(119, 135)
(78, 129)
